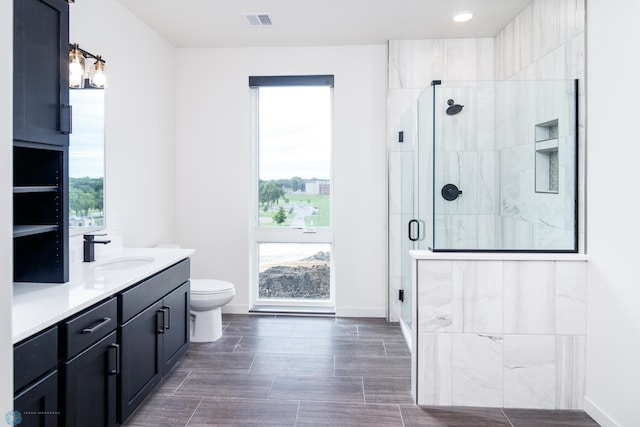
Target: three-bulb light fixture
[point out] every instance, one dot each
(78, 73)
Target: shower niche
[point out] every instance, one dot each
(513, 153)
(546, 152)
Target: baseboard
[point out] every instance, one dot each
(600, 416)
(340, 311)
(235, 309)
(293, 310)
(361, 312)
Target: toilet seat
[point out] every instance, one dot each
(210, 286)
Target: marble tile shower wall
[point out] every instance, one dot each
(501, 333)
(546, 41)
(413, 64)
(530, 218)
(466, 156)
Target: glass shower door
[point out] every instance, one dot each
(408, 221)
(407, 212)
(417, 185)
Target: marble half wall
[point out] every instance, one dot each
(501, 333)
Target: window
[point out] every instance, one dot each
(293, 191)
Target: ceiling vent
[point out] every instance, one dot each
(257, 19)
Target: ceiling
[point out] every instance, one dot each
(218, 23)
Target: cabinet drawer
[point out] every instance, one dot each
(89, 327)
(142, 295)
(34, 357)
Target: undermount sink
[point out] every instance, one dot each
(124, 263)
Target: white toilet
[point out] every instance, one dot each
(207, 298)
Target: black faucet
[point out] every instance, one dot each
(88, 245)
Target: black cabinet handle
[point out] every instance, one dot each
(116, 371)
(111, 391)
(160, 323)
(411, 228)
(102, 323)
(66, 125)
(167, 325)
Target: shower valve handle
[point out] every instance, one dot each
(450, 192)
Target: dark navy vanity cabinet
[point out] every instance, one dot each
(41, 127)
(154, 332)
(95, 367)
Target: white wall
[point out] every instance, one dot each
(613, 209)
(139, 120)
(214, 166)
(6, 212)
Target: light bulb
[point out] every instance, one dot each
(76, 67)
(98, 77)
(76, 80)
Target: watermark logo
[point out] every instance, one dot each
(13, 418)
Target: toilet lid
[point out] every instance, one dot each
(210, 286)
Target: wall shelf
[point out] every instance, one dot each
(30, 230)
(547, 130)
(35, 189)
(547, 145)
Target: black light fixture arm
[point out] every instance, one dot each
(85, 53)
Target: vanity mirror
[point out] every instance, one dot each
(86, 161)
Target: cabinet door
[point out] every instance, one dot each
(90, 385)
(41, 71)
(37, 405)
(140, 346)
(175, 338)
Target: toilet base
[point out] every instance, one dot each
(206, 326)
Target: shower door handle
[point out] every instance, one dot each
(414, 230)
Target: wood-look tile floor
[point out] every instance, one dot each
(311, 371)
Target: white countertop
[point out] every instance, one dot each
(37, 306)
(496, 256)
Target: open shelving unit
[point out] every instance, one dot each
(39, 212)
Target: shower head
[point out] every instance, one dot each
(453, 108)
